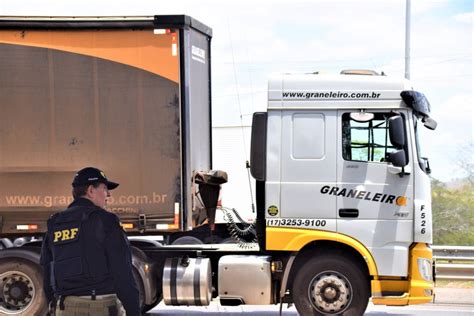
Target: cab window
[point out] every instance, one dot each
(366, 141)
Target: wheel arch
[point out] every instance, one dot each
(304, 241)
(24, 253)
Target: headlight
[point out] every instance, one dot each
(425, 269)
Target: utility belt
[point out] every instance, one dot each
(99, 297)
(86, 304)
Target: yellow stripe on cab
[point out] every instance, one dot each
(294, 239)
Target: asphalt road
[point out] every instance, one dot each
(372, 310)
(448, 301)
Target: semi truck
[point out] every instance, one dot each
(343, 204)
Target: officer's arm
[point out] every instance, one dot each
(119, 258)
(46, 259)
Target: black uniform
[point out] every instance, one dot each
(86, 250)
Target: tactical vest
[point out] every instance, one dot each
(79, 263)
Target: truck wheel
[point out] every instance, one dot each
(229, 240)
(330, 285)
(141, 288)
(187, 240)
(5, 243)
(21, 291)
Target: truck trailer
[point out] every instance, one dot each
(343, 201)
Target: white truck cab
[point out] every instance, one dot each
(341, 163)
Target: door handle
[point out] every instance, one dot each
(348, 212)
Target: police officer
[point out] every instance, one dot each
(86, 255)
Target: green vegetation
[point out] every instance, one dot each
(453, 213)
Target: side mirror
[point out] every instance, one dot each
(430, 123)
(396, 131)
(398, 158)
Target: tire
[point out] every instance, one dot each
(21, 241)
(334, 280)
(5, 243)
(229, 240)
(138, 280)
(21, 280)
(141, 289)
(187, 240)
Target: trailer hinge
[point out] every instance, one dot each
(141, 222)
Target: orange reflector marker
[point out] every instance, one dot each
(27, 227)
(176, 217)
(174, 45)
(175, 225)
(127, 225)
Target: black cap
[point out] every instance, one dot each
(91, 175)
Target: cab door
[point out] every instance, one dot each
(308, 163)
(374, 202)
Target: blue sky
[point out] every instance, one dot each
(253, 39)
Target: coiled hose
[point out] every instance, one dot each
(235, 231)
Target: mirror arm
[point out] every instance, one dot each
(406, 170)
(401, 171)
(402, 174)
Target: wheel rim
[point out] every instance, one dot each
(330, 292)
(17, 292)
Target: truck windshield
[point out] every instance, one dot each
(419, 137)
